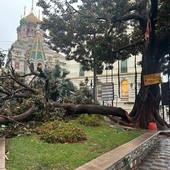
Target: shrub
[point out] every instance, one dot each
(60, 132)
(89, 120)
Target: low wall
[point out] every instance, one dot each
(126, 156)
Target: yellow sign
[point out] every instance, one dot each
(152, 79)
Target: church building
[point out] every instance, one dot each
(30, 45)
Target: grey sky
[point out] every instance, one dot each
(10, 14)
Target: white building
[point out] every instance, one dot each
(125, 95)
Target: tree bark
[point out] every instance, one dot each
(146, 108)
(72, 109)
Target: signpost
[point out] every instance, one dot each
(152, 79)
(107, 91)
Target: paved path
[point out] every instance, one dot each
(159, 158)
(2, 153)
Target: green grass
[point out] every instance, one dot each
(29, 153)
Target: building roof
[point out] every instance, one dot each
(32, 19)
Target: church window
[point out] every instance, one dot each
(29, 33)
(17, 65)
(124, 88)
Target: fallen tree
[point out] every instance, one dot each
(20, 91)
(72, 109)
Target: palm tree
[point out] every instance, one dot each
(60, 86)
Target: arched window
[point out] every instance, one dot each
(124, 88)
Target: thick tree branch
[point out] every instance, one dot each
(22, 84)
(128, 17)
(129, 45)
(22, 117)
(17, 96)
(3, 91)
(93, 109)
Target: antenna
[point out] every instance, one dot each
(24, 11)
(32, 6)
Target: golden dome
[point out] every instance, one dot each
(32, 19)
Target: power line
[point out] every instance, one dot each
(6, 41)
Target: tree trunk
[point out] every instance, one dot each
(72, 109)
(146, 108)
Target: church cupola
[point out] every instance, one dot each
(28, 24)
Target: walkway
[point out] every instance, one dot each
(2, 153)
(159, 158)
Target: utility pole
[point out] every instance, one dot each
(95, 78)
(94, 72)
(168, 87)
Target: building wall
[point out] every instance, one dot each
(111, 76)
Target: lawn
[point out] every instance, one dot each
(27, 152)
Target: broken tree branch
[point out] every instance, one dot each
(19, 118)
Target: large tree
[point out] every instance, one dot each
(97, 30)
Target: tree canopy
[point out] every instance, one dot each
(100, 31)
(86, 31)
(88, 28)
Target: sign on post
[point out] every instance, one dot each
(107, 91)
(152, 79)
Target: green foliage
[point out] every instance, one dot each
(60, 86)
(15, 129)
(2, 58)
(79, 34)
(89, 120)
(60, 132)
(83, 96)
(16, 107)
(102, 29)
(163, 25)
(45, 115)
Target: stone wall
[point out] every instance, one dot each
(132, 159)
(124, 157)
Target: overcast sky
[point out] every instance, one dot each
(10, 15)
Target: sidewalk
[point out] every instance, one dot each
(159, 158)
(2, 154)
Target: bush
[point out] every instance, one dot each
(89, 120)
(60, 132)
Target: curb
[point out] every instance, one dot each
(2, 153)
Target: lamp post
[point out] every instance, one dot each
(168, 58)
(86, 81)
(0, 72)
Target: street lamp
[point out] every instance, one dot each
(0, 72)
